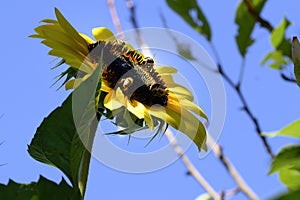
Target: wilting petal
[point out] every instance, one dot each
(102, 33)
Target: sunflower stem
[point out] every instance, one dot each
(85, 163)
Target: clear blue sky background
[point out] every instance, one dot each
(26, 98)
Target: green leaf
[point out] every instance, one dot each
(290, 178)
(56, 140)
(277, 35)
(278, 60)
(291, 130)
(293, 195)
(287, 158)
(204, 196)
(246, 22)
(43, 189)
(185, 9)
(52, 142)
(296, 58)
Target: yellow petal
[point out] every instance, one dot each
(87, 38)
(177, 103)
(104, 87)
(110, 102)
(102, 33)
(136, 108)
(183, 121)
(182, 91)
(69, 28)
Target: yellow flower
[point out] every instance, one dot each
(129, 79)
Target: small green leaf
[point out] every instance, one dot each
(292, 195)
(277, 57)
(296, 58)
(277, 35)
(246, 22)
(290, 178)
(291, 130)
(43, 189)
(186, 9)
(287, 158)
(204, 196)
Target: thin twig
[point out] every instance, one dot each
(237, 88)
(115, 18)
(144, 47)
(264, 23)
(191, 168)
(286, 78)
(218, 151)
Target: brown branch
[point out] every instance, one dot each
(191, 168)
(115, 18)
(242, 185)
(264, 23)
(237, 88)
(134, 22)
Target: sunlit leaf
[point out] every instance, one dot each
(296, 59)
(192, 14)
(293, 195)
(43, 189)
(56, 141)
(277, 35)
(246, 22)
(287, 158)
(205, 196)
(290, 178)
(291, 130)
(278, 60)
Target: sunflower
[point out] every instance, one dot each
(131, 83)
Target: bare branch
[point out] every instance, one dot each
(246, 108)
(191, 168)
(218, 151)
(115, 18)
(141, 42)
(264, 23)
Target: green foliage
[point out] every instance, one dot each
(291, 178)
(293, 195)
(205, 196)
(296, 59)
(277, 57)
(43, 189)
(278, 34)
(288, 157)
(291, 130)
(185, 9)
(287, 161)
(246, 22)
(282, 47)
(56, 141)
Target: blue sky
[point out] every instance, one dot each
(27, 98)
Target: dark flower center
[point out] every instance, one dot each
(129, 70)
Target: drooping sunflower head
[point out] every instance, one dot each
(134, 88)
